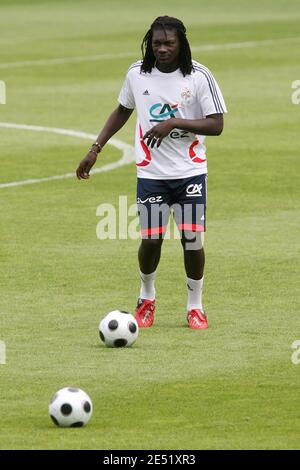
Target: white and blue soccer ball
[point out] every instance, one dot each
(70, 407)
(118, 329)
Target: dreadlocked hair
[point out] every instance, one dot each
(185, 56)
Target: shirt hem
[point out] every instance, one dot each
(172, 177)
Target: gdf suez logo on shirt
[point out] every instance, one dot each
(179, 134)
(159, 112)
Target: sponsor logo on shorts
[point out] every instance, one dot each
(151, 199)
(194, 190)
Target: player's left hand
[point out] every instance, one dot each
(157, 133)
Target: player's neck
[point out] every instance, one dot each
(167, 68)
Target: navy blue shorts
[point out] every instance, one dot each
(157, 198)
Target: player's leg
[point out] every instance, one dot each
(190, 218)
(154, 215)
(194, 261)
(149, 254)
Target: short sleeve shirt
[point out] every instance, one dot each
(158, 96)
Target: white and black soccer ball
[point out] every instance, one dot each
(118, 329)
(70, 407)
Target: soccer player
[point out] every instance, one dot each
(178, 103)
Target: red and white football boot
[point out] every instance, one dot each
(144, 313)
(197, 320)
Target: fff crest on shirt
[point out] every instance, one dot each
(187, 97)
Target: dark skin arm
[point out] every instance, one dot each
(211, 125)
(116, 120)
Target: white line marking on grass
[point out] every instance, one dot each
(246, 44)
(124, 55)
(127, 150)
(68, 60)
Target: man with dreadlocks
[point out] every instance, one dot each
(178, 102)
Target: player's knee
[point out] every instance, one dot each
(192, 241)
(152, 243)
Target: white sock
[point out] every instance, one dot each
(147, 286)
(194, 293)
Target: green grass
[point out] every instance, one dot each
(232, 386)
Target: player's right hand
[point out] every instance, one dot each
(85, 165)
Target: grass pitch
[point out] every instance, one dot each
(233, 386)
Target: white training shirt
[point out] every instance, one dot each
(158, 96)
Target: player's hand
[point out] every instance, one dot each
(155, 135)
(85, 165)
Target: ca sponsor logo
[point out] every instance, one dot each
(159, 112)
(151, 199)
(194, 190)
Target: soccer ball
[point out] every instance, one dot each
(118, 329)
(70, 407)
